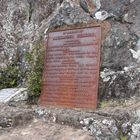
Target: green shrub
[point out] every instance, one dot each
(9, 76)
(35, 60)
(123, 138)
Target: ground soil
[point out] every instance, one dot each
(38, 130)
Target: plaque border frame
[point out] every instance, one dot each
(68, 28)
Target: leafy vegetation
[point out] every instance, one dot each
(123, 137)
(35, 61)
(103, 104)
(9, 76)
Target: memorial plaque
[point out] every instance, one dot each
(71, 71)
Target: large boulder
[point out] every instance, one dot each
(24, 22)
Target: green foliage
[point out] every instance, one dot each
(111, 103)
(123, 137)
(103, 104)
(35, 60)
(9, 76)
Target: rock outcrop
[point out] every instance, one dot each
(23, 22)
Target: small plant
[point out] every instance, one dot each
(35, 60)
(9, 76)
(103, 104)
(123, 137)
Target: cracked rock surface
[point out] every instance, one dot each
(108, 123)
(23, 22)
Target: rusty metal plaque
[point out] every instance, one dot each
(71, 71)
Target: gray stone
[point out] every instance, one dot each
(6, 93)
(24, 22)
(13, 94)
(14, 116)
(101, 15)
(21, 23)
(102, 128)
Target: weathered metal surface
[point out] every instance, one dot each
(71, 69)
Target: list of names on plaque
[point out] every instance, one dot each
(71, 69)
